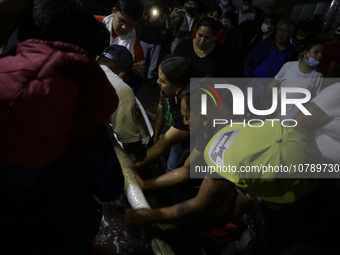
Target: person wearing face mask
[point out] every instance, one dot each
(227, 6)
(267, 31)
(181, 22)
(244, 11)
(254, 13)
(265, 60)
(301, 74)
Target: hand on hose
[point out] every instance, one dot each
(138, 217)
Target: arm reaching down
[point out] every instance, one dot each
(212, 205)
(174, 177)
(159, 122)
(171, 137)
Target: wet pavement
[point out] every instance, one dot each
(114, 237)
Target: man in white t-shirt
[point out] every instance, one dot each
(291, 76)
(323, 126)
(115, 61)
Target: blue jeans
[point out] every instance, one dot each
(176, 155)
(151, 52)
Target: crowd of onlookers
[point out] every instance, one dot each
(231, 40)
(68, 75)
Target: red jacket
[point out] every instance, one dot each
(53, 96)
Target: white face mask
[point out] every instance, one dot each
(264, 28)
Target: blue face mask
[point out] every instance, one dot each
(251, 16)
(311, 62)
(245, 8)
(224, 3)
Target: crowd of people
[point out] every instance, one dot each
(69, 74)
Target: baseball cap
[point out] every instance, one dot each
(269, 144)
(122, 57)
